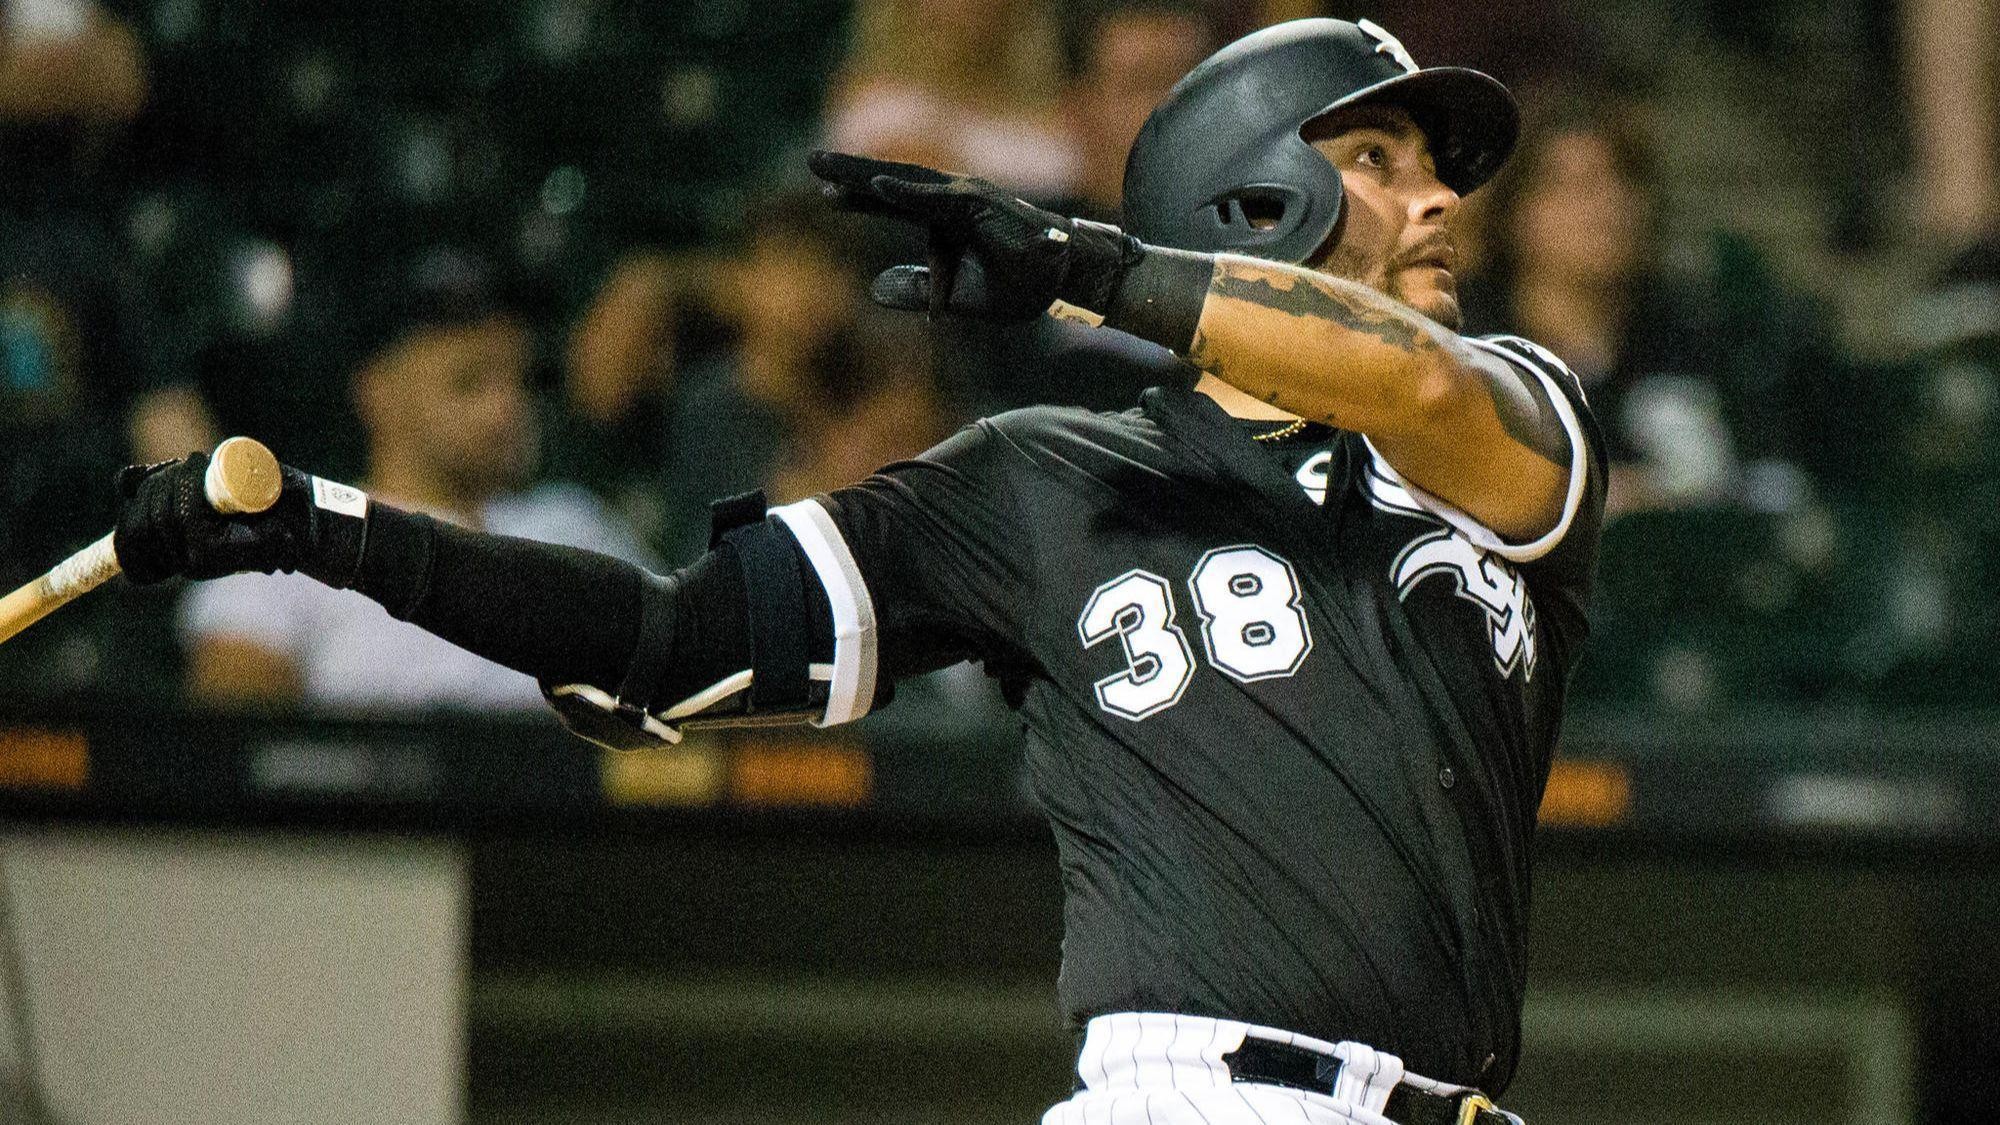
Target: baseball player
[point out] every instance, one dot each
(1289, 643)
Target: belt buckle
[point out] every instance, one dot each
(1470, 1107)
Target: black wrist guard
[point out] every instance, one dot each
(1160, 294)
(340, 517)
(1152, 292)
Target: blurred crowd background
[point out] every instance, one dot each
(555, 268)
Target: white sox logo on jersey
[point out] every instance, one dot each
(1253, 623)
(1482, 578)
(1312, 476)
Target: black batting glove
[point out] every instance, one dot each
(167, 529)
(992, 256)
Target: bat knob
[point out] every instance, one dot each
(242, 477)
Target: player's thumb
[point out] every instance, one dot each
(906, 288)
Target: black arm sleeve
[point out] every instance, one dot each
(559, 614)
(932, 546)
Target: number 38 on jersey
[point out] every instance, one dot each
(1252, 627)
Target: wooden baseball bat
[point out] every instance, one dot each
(242, 478)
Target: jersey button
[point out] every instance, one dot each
(1446, 777)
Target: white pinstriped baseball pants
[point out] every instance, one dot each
(1157, 1068)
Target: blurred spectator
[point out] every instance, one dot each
(961, 84)
(1952, 75)
(689, 377)
(451, 432)
(1125, 55)
(70, 73)
(74, 334)
(788, 303)
(1695, 381)
(67, 60)
(77, 342)
(618, 375)
(82, 349)
(877, 404)
(621, 350)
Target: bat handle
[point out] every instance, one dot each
(242, 477)
(78, 574)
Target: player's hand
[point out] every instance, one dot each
(992, 256)
(167, 528)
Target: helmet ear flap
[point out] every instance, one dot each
(1255, 208)
(1258, 217)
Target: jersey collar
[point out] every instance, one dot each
(1197, 422)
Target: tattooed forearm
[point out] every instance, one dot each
(1526, 413)
(1203, 354)
(1519, 403)
(1304, 295)
(1315, 346)
(1464, 424)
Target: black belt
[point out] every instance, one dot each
(1281, 1064)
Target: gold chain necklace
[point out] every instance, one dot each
(1281, 433)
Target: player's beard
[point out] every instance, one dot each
(1439, 304)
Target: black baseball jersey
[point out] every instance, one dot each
(1291, 727)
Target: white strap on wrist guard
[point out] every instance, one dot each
(597, 716)
(780, 555)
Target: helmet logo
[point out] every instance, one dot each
(1387, 44)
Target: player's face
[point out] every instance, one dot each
(1394, 233)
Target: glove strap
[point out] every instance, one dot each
(1152, 292)
(1098, 255)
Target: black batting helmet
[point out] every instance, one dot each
(1225, 148)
